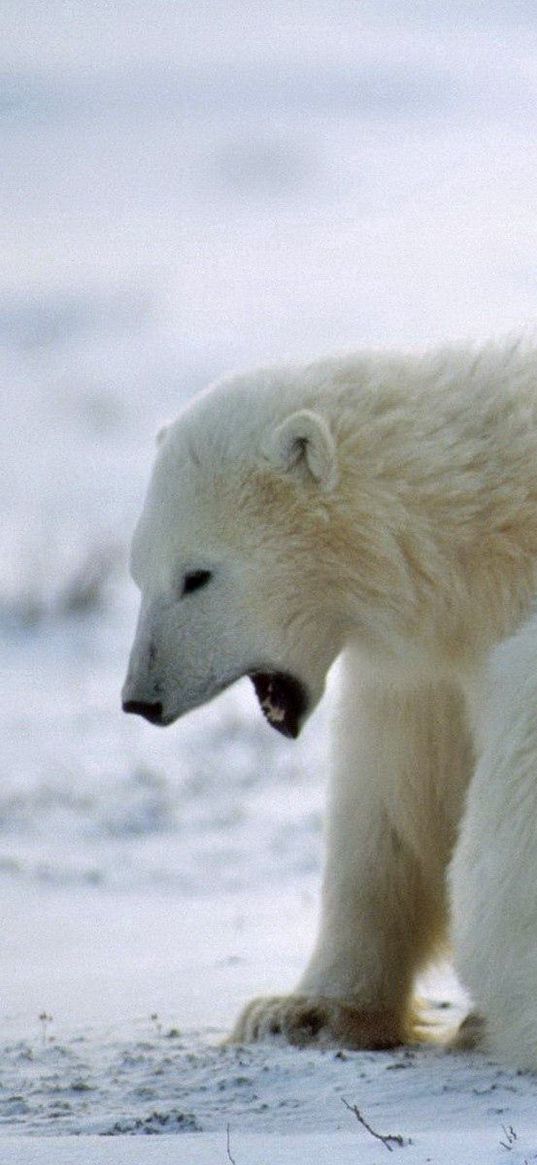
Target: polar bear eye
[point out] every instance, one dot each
(194, 580)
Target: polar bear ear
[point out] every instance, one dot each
(303, 444)
(162, 434)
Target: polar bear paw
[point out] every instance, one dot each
(470, 1036)
(317, 1021)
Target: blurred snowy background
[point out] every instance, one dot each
(187, 188)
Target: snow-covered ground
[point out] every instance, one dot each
(188, 188)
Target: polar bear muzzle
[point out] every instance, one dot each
(283, 701)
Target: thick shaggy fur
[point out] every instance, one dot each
(383, 509)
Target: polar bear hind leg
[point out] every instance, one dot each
(494, 871)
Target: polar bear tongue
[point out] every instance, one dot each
(282, 700)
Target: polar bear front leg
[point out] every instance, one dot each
(494, 870)
(402, 761)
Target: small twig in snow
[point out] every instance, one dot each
(156, 1020)
(228, 1147)
(510, 1137)
(45, 1019)
(386, 1138)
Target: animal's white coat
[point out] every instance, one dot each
(382, 508)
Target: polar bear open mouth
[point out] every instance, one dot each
(283, 700)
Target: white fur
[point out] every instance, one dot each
(383, 507)
(494, 871)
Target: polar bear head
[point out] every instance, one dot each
(233, 556)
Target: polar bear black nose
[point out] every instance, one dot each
(151, 712)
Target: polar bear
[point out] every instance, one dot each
(381, 508)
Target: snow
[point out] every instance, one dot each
(187, 189)
(451, 1148)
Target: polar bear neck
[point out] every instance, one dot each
(444, 454)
